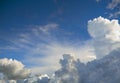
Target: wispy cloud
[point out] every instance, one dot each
(113, 4)
(115, 15)
(43, 46)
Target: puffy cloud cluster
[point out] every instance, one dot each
(103, 29)
(68, 72)
(13, 69)
(105, 34)
(36, 79)
(106, 40)
(105, 70)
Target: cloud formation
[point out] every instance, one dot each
(13, 69)
(43, 42)
(105, 39)
(113, 4)
(105, 70)
(68, 72)
(105, 34)
(116, 14)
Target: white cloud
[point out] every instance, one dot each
(36, 79)
(68, 72)
(13, 69)
(105, 70)
(105, 34)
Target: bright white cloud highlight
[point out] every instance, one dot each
(104, 29)
(105, 34)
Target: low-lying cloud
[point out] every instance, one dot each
(13, 69)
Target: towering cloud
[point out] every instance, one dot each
(105, 34)
(13, 69)
(68, 72)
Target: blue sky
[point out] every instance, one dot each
(32, 29)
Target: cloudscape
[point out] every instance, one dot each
(60, 41)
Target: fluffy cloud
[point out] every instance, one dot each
(13, 69)
(105, 70)
(105, 34)
(36, 79)
(68, 72)
(104, 29)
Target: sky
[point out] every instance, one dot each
(39, 32)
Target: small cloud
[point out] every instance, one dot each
(113, 4)
(114, 15)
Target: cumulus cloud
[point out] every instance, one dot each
(36, 79)
(105, 70)
(43, 78)
(13, 69)
(68, 72)
(105, 34)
